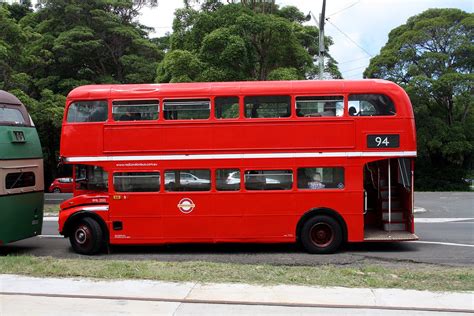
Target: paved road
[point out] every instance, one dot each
(447, 243)
(56, 198)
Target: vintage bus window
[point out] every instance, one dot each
(87, 111)
(137, 181)
(320, 178)
(268, 179)
(226, 107)
(370, 105)
(92, 178)
(188, 180)
(228, 179)
(267, 106)
(11, 116)
(199, 109)
(320, 106)
(18, 180)
(136, 110)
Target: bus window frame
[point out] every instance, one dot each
(118, 170)
(111, 106)
(395, 105)
(233, 119)
(345, 110)
(161, 116)
(70, 102)
(270, 119)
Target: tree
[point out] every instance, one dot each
(90, 41)
(66, 43)
(239, 42)
(432, 57)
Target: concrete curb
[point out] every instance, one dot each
(237, 293)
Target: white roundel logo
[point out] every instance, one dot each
(186, 205)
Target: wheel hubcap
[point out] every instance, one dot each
(82, 235)
(322, 235)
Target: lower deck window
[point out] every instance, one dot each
(268, 179)
(187, 180)
(91, 178)
(316, 178)
(137, 182)
(227, 179)
(18, 180)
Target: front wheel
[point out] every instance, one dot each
(321, 234)
(87, 237)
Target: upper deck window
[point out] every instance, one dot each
(196, 109)
(135, 110)
(370, 105)
(87, 111)
(11, 116)
(267, 106)
(317, 106)
(226, 107)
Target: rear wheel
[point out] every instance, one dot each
(321, 234)
(87, 237)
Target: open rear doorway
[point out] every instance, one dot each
(388, 200)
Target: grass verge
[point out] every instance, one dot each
(51, 209)
(422, 278)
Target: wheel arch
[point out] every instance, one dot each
(83, 214)
(322, 211)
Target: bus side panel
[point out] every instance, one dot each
(138, 214)
(254, 136)
(228, 215)
(187, 224)
(348, 204)
(72, 145)
(21, 216)
(269, 214)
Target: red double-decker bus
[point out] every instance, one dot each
(319, 162)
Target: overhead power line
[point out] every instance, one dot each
(357, 68)
(350, 61)
(343, 9)
(349, 38)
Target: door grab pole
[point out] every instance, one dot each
(389, 200)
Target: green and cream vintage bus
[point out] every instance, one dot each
(21, 173)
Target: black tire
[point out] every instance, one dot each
(87, 237)
(321, 234)
(56, 190)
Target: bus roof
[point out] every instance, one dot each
(8, 98)
(226, 88)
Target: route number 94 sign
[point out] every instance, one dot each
(383, 141)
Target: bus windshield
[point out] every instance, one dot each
(91, 178)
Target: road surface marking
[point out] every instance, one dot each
(50, 236)
(442, 220)
(50, 219)
(443, 243)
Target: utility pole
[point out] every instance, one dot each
(322, 49)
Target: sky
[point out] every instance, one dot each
(359, 28)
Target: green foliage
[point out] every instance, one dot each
(67, 43)
(234, 42)
(284, 74)
(432, 57)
